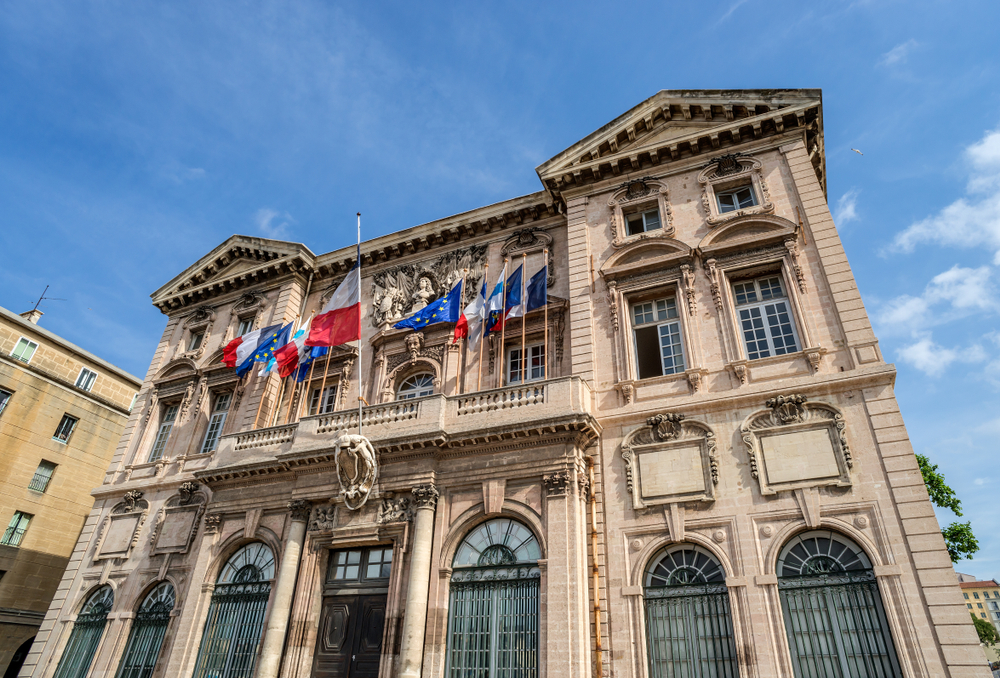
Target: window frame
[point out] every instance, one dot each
(48, 478)
(419, 393)
(248, 320)
(5, 398)
(216, 422)
(165, 409)
(652, 194)
(72, 428)
(199, 334)
(364, 564)
(642, 210)
(530, 349)
(28, 342)
(732, 191)
(653, 297)
(86, 379)
(10, 536)
(315, 397)
(760, 305)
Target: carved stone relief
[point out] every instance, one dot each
(796, 443)
(120, 530)
(397, 292)
(324, 518)
(357, 469)
(557, 483)
(671, 459)
(394, 510)
(177, 522)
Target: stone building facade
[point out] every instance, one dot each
(62, 411)
(701, 471)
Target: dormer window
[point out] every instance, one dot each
(642, 220)
(736, 199)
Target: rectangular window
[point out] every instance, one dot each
(325, 404)
(657, 332)
(736, 199)
(346, 565)
(996, 615)
(14, 534)
(640, 222)
(979, 605)
(966, 595)
(975, 594)
(65, 428)
(163, 433)
(765, 317)
(195, 342)
(379, 563)
(969, 605)
(24, 350)
(535, 367)
(246, 325)
(5, 397)
(86, 379)
(43, 474)
(354, 566)
(215, 424)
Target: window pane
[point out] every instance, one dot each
(4, 399)
(195, 343)
(246, 325)
(86, 379)
(647, 350)
(65, 428)
(536, 366)
(770, 288)
(24, 350)
(651, 220)
(753, 333)
(780, 324)
(514, 366)
(670, 348)
(745, 197)
(745, 293)
(634, 222)
(726, 203)
(213, 433)
(643, 313)
(14, 534)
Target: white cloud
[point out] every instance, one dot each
(963, 290)
(899, 53)
(933, 359)
(970, 221)
(981, 481)
(846, 210)
(273, 224)
(729, 12)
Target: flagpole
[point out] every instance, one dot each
(309, 381)
(461, 307)
(291, 391)
(545, 321)
(482, 326)
(322, 386)
(361, 399)
(503, 323)
(260, 404)
(524, 317)
(281, 394)
(291, 397)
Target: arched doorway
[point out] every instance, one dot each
(17, 661)
(236, 616)
(689, 629)
(493, 611)
(834, 618)
(146, 637)
(87, 632)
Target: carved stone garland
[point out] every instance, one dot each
(397, 292)
(636, 192)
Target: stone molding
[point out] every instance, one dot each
(671, 435)
(300, 510)
(636, 192)
(724, 169)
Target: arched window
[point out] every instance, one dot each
(493, 613)
(834, 619)
(417, 386)
(236, 615)
(87, 632)
(689, 628)
(146, 636)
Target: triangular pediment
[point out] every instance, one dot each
(240, 260)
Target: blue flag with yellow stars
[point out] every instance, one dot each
(271, 343)
(447, 309)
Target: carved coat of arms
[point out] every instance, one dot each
(357, 469)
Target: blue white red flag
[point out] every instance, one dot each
(494, 307)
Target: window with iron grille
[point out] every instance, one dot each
(215, 424)
(86, 635)
(146, 636)
(324, 404)
(236, 615)
(86, 379)
(5, 397)
(24, 350)
(834, 617)
(163, 432)
(656, 330)
(493, 607)
(736, 199)
(65, 428)
(689, 629)
(536, 364)
(14, 534)
(765, 317)
(43, 474)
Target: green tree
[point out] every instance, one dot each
(987, 632)
(958, 537)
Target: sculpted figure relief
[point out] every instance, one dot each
(424, 294)
(357, 469)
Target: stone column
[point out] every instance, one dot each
(411, 652)
(284, 591)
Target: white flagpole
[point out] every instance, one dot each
(361, 399)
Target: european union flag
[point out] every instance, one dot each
(270, 344)
(447, 309)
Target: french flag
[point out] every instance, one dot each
(340, 320)
(239, 352)
(290, 355)
(476, 310)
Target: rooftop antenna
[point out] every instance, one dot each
(45, 298)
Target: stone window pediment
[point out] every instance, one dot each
(729, 172)
(796, 443)
(669, 460)
(637, 197)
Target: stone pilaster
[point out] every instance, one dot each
(284, 592)
(411, 651)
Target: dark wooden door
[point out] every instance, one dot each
(349, 643)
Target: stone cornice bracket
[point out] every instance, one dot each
(186, 491)
(300, 509)
(425, 496)
(687, 284)
(556, 484)
(793, 254)
(713, 279)
(740, 370)
(613, 302)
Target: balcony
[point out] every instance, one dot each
(439, 421)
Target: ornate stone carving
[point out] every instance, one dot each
(713, 280)
(346, 370)
(186, 401)
(719, 536)
(186, 492)
(633, 193)
(212, 523)
(132, 501)
(734, 164)
(250, 300)
(740, 370)
(584, 483)
(300, 509)
(666, 426)
(357, 469)
(556, 483)
(694, 378)
(529, 240)
(636, 544)
(402, 290)
(628, 391)
(728, 164)
(425, 496)
(687, 283)
(787, 409)
(323, 519)
(793, 255)
(394, 510)
(766, 531)
(815, 359)
(861, 522)
(414, 342)
(613, 302)
(238, 395)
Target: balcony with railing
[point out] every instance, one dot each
(39, 482)
(436, 420)
(12, 536)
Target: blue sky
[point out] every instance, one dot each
(136, 136)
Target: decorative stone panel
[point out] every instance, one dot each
(669, 460)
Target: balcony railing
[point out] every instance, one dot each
(373, 415)
(39, 482)
(265, 437)
(12, 537)
(503, 399)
